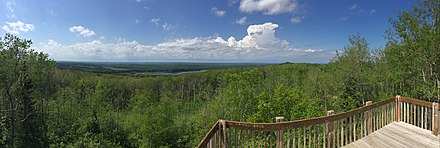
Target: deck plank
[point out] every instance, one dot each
(398, 134)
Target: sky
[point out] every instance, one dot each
(266, 31)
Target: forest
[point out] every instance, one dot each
(45, 106)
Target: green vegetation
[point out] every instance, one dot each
(142, 69)
(42, 106)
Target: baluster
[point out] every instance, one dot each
(247, 138)
(426, 118)
(269, 138)
(310, 136)
(355, 120)
(379, 113)
(324, 136)
(361, 122)
(408, 113)
(258, 138)
(336, 133)
(314, 136)
(294, 140)
(237, 136)
(382, 111)
(413, 114)
(435, 117)
(299, 137)
(417, 116)
(404, 112)
(288, 137)
(422, 116)
(377, 119)
(304, 136)
(319, 136)
(264, 138)
(342, 132)
(380, 117)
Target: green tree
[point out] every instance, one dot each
(413, 50)
(351, 67)
(24, 82)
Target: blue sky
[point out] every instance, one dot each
(197, 30)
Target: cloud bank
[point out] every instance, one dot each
(259, 45)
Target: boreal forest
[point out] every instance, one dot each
(45, 106)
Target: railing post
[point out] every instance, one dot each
(222, 127)
(369, 119)
(397, 108)
(330, 131)
(434, 118)
(280, 134)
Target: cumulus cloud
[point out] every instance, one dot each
(258, 36)
(85, 32)
(260, 44)
(268, 7)
(17, 27)
(241, 21)
(218, 12)
(372, 11)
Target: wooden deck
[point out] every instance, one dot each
(398, 134)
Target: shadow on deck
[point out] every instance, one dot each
(398, 134)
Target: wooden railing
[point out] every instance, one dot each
(333, 130)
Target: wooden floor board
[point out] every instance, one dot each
(398, 134)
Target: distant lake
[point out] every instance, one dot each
(177, 73)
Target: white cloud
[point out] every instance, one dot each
(17, 27)
(260, 44)
(137, 21)
(372, 11)
(167, 27)
(259, 36)
(218, 12)
(312, 50)
(85, 32)
(296, 19)
(10, 5)
(155, 21)
(241, 21)
(268, 7)
(354, 6)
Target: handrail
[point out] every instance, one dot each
(361, 121)
(304, 122)
(418, 102)
(210, 134)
